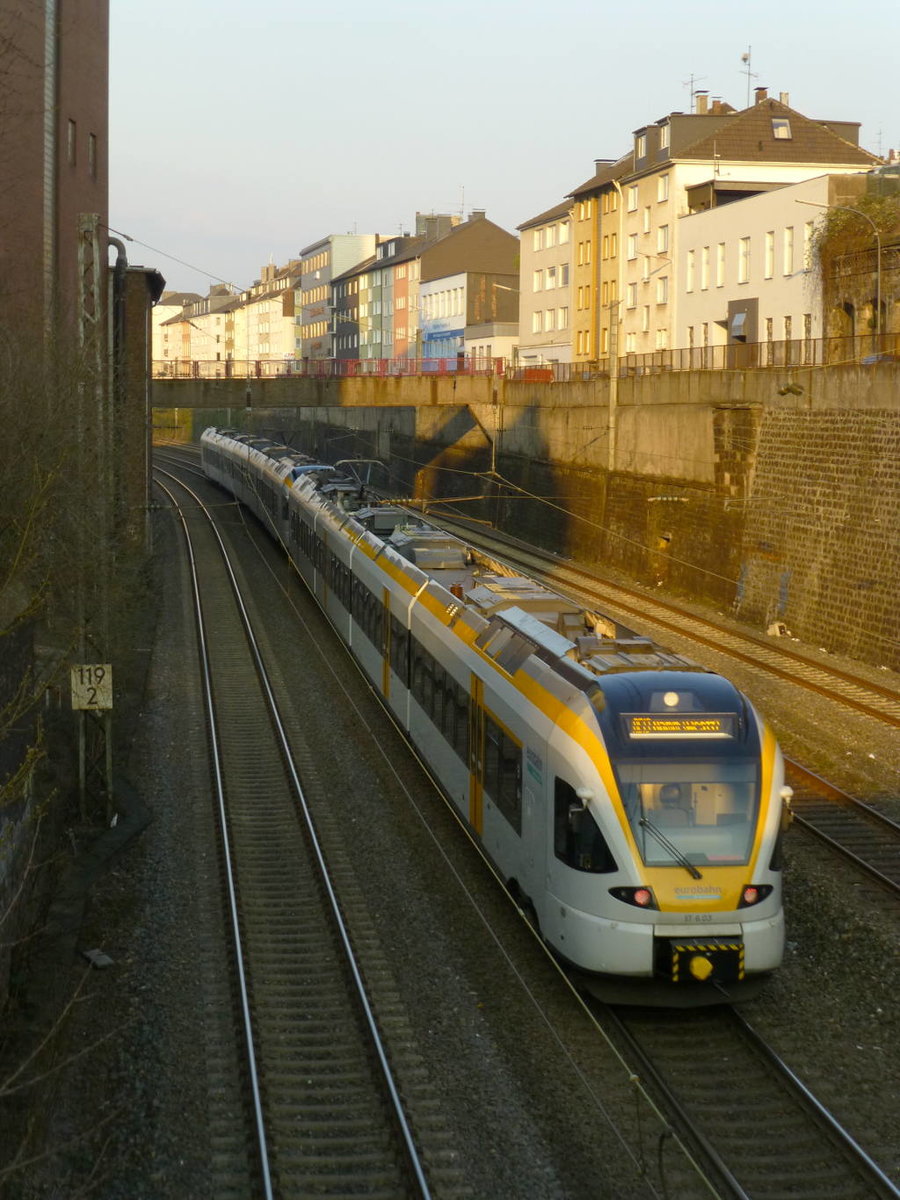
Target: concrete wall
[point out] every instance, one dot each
(710, 484)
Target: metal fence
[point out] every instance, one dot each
(866, 350)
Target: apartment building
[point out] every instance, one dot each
(545, 283)
(596, 258)
(687, 163)
(165, 319)
(320, 263)
(745, 272)
(415, 297)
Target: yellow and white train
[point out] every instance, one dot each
(632, 800)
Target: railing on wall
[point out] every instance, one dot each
(866, 350)
(324, 368)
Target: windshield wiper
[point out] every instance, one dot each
(671, 847)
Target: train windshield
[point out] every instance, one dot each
(699, 812)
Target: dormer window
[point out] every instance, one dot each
(640, 145)
(781, 128)
(664, 136)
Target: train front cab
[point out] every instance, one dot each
(691, 896)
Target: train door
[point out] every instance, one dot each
(476, 755)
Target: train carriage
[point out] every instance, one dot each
(632, 800)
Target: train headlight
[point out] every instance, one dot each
(640, 897)
(753, 894)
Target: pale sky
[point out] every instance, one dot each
(242, 132)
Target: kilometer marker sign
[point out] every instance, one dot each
(92, 686)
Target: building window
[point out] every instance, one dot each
(632, 197)
(605, 246)
(604, 340)
(770, 254)
(787, 329)
(743, 260)
(551, 278)
(632, 246)
(563, 232)
(537, 239)
(647, 219)
(92, 155)
(613, 245)
(537, 281)
(664, 142)
(550, 237)
(662, 184)
(587, 251)
(662, 239)
(550, 320)
(789, 250)
(645, 318)
(662, 339)
(631, 295)
(72, 143)
(720, 264)
(662, 290)
(630, 343)
(689, 274)
(562, 318)
(781, 128)
(564, 275)
(640, 145)
(704, 268)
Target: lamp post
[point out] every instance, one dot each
(856, 213)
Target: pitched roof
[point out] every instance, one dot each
(603, 175)
(749, 136)
(552, 214)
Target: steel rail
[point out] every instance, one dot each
(340, 923)
(212, 728)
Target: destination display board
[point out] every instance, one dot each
(680, 725)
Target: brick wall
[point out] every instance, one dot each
(821, 542)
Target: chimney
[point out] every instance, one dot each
(477, 214)
(761, 94)
(702, 102)
(785, 98)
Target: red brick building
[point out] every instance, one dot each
(53, 153)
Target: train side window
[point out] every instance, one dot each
(461, 731)
(577, 840)
(400, 650)
(503, 772)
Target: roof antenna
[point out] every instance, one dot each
(690, 83)
(746, 59)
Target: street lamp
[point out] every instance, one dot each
(856, 213)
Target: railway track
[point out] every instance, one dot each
(322, 1107)
(774, 1139)
(859, 833)
(740, 1152)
